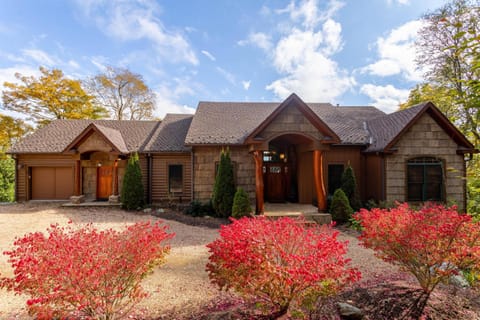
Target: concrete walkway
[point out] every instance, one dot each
(288, 209)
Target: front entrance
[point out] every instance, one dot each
(104, 182)
(276, 181)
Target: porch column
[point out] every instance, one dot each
(319, 182)
(77, 178)
(257, 156)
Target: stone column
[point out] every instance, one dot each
(258, 157)
(319, 181)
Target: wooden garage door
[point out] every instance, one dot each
(52, 183)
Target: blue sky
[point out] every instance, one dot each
(351, 52)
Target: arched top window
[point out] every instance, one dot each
(425, 179)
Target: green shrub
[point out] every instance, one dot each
(132, 191)
(224, 189)
(349, 187)
(241, 204)
(7, 179)
(340, 209)
(198, 209)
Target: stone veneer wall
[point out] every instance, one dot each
(290, 120)
(204, 171)
(425, 139)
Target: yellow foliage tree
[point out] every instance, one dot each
(11, 130)
(123, 93)
(48, 97)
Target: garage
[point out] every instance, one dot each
(49, 183)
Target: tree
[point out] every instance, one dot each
(123, 93)
(132, 190)
(48, 97)
(84, 273)
(224, 188)
(241, 204)
(340, 208)
(448, 48)
(279, 265)
(11, 130)
(349, 186)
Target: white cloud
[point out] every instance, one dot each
(167, 96)
(41, 57)
(396, 53)
(208, 55)
(227, 75)
(136, 20)
(387, 98)
(246, 84)
(302, 55)
(401, 2)
(258, 39)
(309, 14)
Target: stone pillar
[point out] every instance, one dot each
(319, 181)
(258, 157)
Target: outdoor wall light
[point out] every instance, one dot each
(99, 164)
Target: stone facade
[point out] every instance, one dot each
(290, 120)
(205, 160)
(425, 139)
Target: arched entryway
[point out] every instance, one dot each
(290, 169)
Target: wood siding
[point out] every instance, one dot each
(306, 186)
(347, 155)
(374, 178)
(160, 188)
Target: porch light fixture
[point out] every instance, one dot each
(99, 164)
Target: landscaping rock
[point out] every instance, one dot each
(349, 312)
(147, 210)
(459, 281)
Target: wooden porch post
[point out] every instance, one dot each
(319, 182)
(115, 178)
(257, 156)
(77, 178)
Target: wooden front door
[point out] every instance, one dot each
(275, 182)
(104, 182)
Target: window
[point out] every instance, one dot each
(335, 172)
(425, 179)
(175, 178)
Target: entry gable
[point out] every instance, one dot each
(110, 137)
(293, 115)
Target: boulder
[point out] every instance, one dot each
(349, 312)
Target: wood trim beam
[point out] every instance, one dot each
(77, 177)
(259, 187)
(319, 180)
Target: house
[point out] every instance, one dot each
(289, 151)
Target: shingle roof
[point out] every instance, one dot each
(56, 136)
(114, 136)
(232, 122)
(384, 129)
(170, 134)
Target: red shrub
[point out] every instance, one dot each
(431, 243)
(84, 271)
(278, 263)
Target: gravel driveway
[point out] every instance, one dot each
(181, 284)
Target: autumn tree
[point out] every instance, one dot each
(448, 47)
(123, 93)
(48, 97)
(10, 131)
